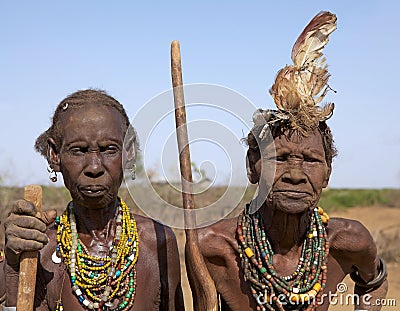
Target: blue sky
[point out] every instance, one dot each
(50, 49)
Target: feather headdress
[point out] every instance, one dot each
(299, 88)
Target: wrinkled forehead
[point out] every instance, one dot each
(291, 139)
(91, 117)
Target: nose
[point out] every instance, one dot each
(295, 176)
(94, 166)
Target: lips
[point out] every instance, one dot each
(93, 190)
(297, 194)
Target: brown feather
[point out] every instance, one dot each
(312, 40)
(300, 87)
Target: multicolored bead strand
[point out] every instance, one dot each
(98, 282)
(300, 290)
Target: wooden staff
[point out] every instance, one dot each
(28, 263)
(202, 285)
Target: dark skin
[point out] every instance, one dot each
(90, 160)
(301, 174)
(2, 283)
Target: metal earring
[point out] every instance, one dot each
(52, 174)
(133, 172)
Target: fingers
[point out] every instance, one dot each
(25, 222)
(47, 217)
(17, 245)
(25, 233)
(23, 207)
(25, 229)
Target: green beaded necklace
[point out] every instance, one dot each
(100, 283)
(300, 290)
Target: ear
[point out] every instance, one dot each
(53, 156)
(326, 180)
(251, 159)
(130, 151)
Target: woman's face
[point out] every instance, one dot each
(90, 156)
(301, 172)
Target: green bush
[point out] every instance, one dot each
(332, 199)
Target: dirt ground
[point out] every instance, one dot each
(381, 222)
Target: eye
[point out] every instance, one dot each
(311, 160)
(109, 149)
(78, 150)
(277, 158)
(281, 158)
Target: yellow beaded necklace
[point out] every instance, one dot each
(99, 281)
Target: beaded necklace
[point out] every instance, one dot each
(300, 290)
(99, 282)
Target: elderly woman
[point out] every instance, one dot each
(97, 255)
(283, 252)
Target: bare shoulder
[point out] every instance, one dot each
(349, 235)
(151, 231)
(218, 237)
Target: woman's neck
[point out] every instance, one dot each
(285, 231)
(96, 224)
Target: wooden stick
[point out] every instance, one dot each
(28, 263)
(202, 285)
